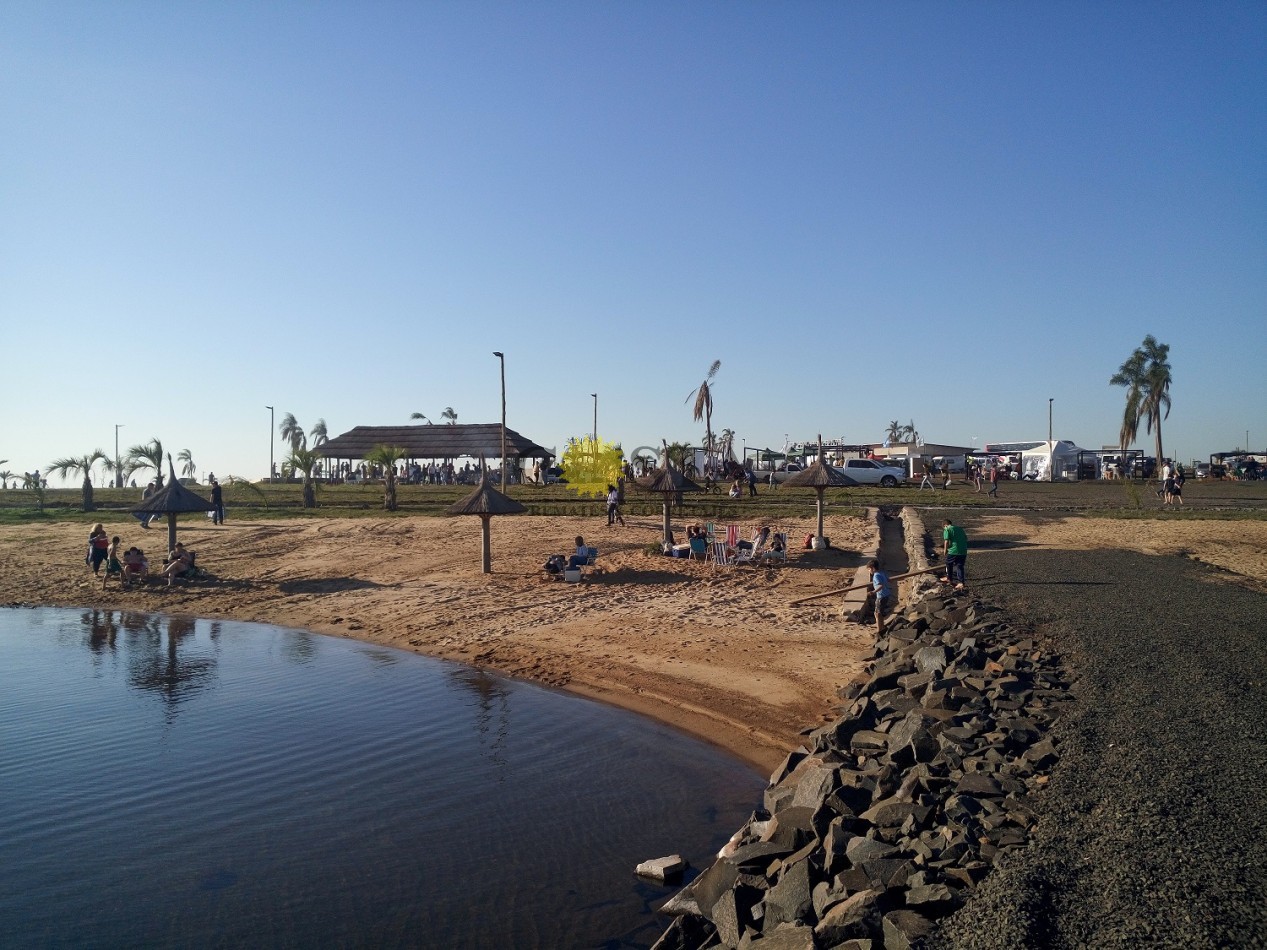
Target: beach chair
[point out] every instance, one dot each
(753, 554)
(732, 535)
(710, 532)
(699, 549)
(720, 557)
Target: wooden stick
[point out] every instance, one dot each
(845, 590)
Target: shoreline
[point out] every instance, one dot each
(717, 654)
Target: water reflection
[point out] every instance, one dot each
(492, 717)
(299, 646)
(175, 673)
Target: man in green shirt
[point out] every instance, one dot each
(955, 551)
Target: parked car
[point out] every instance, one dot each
(871, 472)
(784, 472)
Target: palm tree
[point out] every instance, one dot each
(293, 432)
(450, 415)
(147, 455)
(726, 444)
(320, 435)
(5, 475)
(704, 402)
(77, 465)
(1156, 403)
(301, 462)
(1146, 377)
(387, 456)
(186, 458)
(419, 415)
(683, 456)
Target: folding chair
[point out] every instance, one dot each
(720, 557)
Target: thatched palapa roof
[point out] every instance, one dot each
(485, 500)
(172, 498)
(434, 442)
(819, 475)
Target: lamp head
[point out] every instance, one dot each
(498, 354)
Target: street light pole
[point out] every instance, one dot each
(502, 359)
(595, 395)
(118, 474)
(270, 443)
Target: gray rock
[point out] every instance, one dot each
(859, 850)
(712, 884)
(856, 916)
(905, 930)
(796, 936)
(979, 784)
(681, 903)
(789, 899)
(663, 869)
(889, 813)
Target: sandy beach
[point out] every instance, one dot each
(718, 653)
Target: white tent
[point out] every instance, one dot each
(1062, 455)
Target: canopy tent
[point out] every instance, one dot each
(434, 442)
(1060, 457)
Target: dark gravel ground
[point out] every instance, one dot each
(1153, 832)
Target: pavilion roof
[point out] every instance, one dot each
(433, 442)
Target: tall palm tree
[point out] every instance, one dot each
(1156, 402)
(449, 415)
(293, 432)
(320, 435)
(1133, 376)
(187, 467)
(726, 444)
(301, 462)
(387, 456)
(419, 415)
(147, 455)
(704, 402)
(77, 465)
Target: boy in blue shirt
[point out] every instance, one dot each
(880, 595)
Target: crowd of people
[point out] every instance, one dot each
(132, 565)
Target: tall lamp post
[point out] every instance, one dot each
(502, 359)
(118, 474)
(595, 395)
(1051, 446)
(270, 443)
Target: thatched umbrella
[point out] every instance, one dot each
(669, 482)
(485, 501)
(820, 476)
(172, 499)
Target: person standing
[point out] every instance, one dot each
(752, 484)
(994, 480)
(928, 477)
(881, 594)
(955, 554)
(150, 489)
(217, 499)
(613, 507)
(98, 547)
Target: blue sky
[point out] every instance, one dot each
(949, 213)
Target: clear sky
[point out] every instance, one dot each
(946, 213)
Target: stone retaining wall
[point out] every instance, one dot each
(894, 812)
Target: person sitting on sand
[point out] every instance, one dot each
(135, 566)
(582, 554)
(179, 563)
(735, 490)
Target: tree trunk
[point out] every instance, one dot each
(389, 494)
(667, 529)
(820, 519)
(310, 495)
(486, 556)
(87, 493)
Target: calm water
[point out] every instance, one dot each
(179, 782)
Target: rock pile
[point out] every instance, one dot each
(896, 810)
